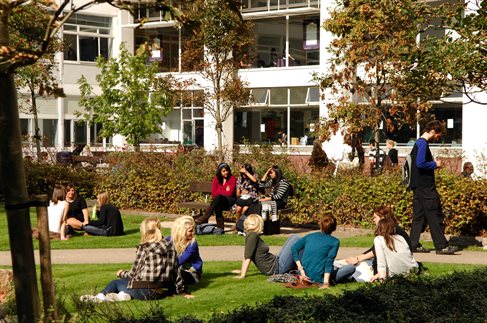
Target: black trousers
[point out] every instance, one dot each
(219, 204)
(427, 211)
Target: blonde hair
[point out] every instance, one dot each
(104, 198)
(150, 230)
(254, 223)
(178, 233)
(391, 142)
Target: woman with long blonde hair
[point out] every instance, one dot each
(109, 223)
(154, 270)
(186, 247)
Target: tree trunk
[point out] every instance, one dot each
(15, 193)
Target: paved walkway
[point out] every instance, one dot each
(235, 253)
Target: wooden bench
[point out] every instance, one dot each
(270, 227)
(93, 160)
(198, 187)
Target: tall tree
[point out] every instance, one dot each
(133, 100)
(39, 79)
(217, 45)
(11, 165)
(374, 70)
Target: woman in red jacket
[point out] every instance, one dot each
(223, 194)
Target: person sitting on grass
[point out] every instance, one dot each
(183, 240)
(257, 251)
(394, 256)
(154, 274)
(77, 216)
(383, 212)
(56, 211)
(315, 253)
(109, 223)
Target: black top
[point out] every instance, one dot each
(109, 219)
(393, 156)
(76, 209)
(424, 177)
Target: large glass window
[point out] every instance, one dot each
(451, 115)
(87, 37)
(271, 5)
(304, 40)
(165, 46)
(269, 123)
(48, 131)
(271, 39)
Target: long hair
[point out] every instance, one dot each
(249, 169)
(385, 212)
(178, 233)
(279, 175)
(219, 175)
(104, 198)
(150, 230)
(58, 193)
(387, 228)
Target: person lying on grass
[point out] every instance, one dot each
(315, 253)
(154, 274)
(257, 251)
(184, 243)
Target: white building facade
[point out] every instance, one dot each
(290, 47)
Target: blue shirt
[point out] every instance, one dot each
(190, 257)
(421, 160)
(319, 252)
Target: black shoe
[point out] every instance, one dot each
(421, 249)
(450, 250)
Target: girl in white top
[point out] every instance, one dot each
(392, 251)
(57, 211)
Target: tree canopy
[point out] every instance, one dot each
(219, 40)
(133, 99)
(384, 63)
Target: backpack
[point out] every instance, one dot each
(406, 171)
(208, 228)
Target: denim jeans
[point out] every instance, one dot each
(340, 275)
(120, 285)
(286, 260)
(95, 231)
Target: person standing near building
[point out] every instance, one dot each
(426, 200)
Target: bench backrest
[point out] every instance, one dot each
(202, 187)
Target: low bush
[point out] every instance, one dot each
(459, 297)
(158, 182)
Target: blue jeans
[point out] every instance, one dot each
(286, 260)
(120, 285)
(95, 231)
(340, 275)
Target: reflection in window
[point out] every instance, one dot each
(165, 46)
(303, 122)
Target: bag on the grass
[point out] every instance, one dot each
(208, 228)
(283, 278)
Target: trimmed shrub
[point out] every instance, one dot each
(158, 182)
(459, 297)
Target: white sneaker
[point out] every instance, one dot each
(120, 297)
(98, 298)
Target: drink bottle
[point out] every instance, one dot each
(93, 215)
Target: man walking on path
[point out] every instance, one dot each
(426, 200)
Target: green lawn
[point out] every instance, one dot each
(131, 239)
(218, 291)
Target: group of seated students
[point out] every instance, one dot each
(244, 193)
(68, 212)
(167, 266)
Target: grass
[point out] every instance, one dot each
(218, 291)
(131, 239)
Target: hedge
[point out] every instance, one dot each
(157, 182)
